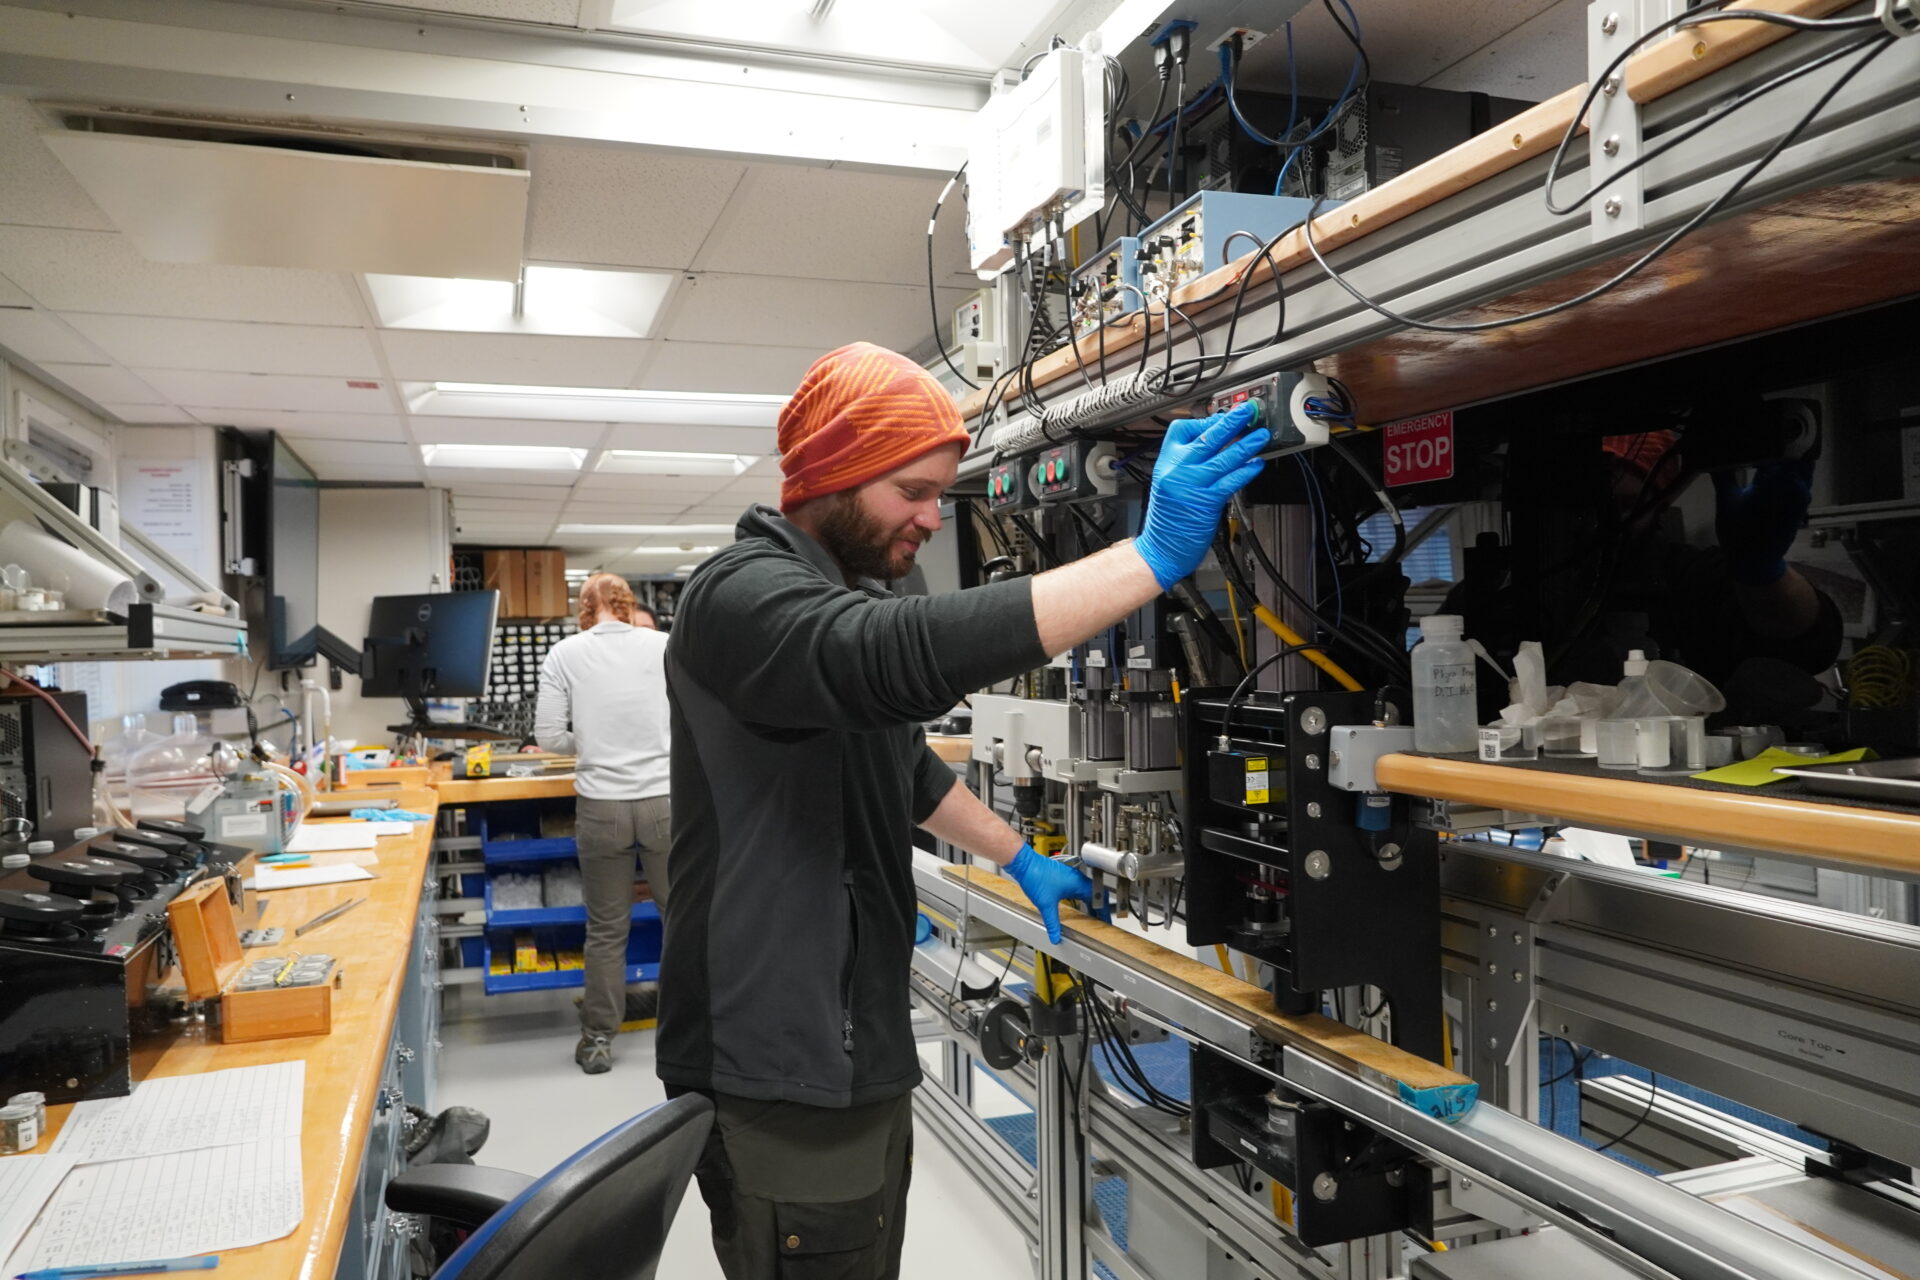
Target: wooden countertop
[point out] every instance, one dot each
(1874, 840)
(373, 942)
(481, 790)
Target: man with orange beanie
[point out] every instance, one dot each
(798, 684)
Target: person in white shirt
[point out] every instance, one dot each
(603, 697)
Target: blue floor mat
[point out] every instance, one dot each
(1560, 1097)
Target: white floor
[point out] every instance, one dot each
(512, 1058)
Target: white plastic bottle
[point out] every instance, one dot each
(1445, 698)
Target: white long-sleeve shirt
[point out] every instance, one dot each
(603, 696)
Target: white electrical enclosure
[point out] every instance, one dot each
(1035, 158)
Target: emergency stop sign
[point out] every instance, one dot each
(1419, 449)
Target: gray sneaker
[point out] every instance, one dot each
(594, 1054)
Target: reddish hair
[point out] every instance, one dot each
(605, 594)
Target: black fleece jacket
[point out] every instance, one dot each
(799, 771)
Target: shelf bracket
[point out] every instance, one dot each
(1614, 140)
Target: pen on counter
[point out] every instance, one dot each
(202, 1262)
(327, 915)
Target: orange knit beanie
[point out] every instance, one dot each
(860, 412)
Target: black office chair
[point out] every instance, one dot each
(602, 1214)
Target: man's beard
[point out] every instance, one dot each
(860, 543)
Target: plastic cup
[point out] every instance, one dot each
(1680, 692)
(1618, 744)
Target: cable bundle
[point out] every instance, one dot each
(1879, 676)
(1066, 419)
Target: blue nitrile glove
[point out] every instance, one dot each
(1047, 884)
(1757, 522)
(1203, 463)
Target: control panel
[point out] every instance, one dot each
(1077, 470)
(1010, 486)
(1276, 394)
(1208, 231)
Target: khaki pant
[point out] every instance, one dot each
(808, 1193)
(608, 833)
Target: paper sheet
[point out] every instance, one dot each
(169, 1206)
(25, 1184)
(1759, 771)
(183, 1113)
(267, 878)
(325, 837)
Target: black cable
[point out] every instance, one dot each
(1653, 1096)
(933, 300)
(1358, 635)
(1240, 690)
(1043, 552)
(1679, 233)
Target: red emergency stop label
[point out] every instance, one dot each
(1419, 449)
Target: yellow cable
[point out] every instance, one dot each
(1446, 1040)
(1315, 656)
(1239, 627)
(1282, 1201)
(1226, 961)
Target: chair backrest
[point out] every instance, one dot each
(603, 1213)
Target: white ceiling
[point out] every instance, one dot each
(777, 263)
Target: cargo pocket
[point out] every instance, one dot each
(839, 1241)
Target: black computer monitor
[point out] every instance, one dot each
(430, 646)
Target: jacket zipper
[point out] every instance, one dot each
(846, 985)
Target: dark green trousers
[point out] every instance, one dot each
(808, 1193)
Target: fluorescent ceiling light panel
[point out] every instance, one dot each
(667, 463)
(673, 551)
(563, 301)
(594, 404)
(522, 457)
(648, 530)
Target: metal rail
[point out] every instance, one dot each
(1654, 1228)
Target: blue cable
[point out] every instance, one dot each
(1333, 113)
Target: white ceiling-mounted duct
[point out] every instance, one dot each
(325, 200)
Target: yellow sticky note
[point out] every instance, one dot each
(1759, 771)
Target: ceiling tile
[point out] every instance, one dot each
(12, 295)
(39, 191)
(775, 311)
(267, 391)
(619, 206)
(757, 440)
(561, 13)
(101, 271)
(358, 453)
(574, 435)
(225, 345)
(38, 337)
(489, 484)
(103, 382)
(666, 486)
(840, 224)
(524, 359)
(150, 415)
(338, 426)
(370, 474)
(714, 366)
(503, 481)
(626, 511)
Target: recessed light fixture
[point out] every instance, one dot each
(648, 530)
(523, 457)
(661, 462)
(594, 404)
(563, 301)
